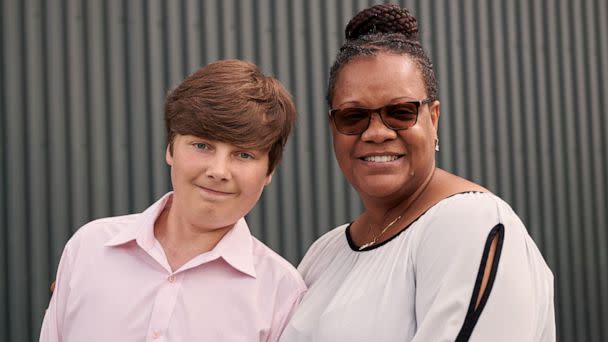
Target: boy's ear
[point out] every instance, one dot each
(169, 155)
(269, 178)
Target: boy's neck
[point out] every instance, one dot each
(182, 241)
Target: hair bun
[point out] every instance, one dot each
(384, 18)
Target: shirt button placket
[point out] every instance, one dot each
(164, 305)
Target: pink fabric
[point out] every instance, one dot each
(114, 284)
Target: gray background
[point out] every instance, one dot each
(82, 83)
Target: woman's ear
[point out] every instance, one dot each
(435, 109)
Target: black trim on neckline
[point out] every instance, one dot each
(355, 248)
(473, 313)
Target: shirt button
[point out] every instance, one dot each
(171, 279)
(156, 334)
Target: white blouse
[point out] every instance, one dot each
(419, 285)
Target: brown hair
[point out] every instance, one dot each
(383, 28)
(232, 101)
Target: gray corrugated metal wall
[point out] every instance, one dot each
(523, 89)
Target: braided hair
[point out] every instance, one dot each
(383, 28)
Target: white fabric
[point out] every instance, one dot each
(418, 286)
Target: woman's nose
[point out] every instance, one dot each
(377, 131)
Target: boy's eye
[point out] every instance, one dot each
(201, 146)
(245, 155)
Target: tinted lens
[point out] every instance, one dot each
(351, 120)
(401, 115)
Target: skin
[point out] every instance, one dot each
(215, 184)
(410, 184)
(385, 188)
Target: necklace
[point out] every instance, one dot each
(375, 239)
(377, 236)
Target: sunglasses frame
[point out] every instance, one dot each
(418, 103)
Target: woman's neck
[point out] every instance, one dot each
(381, 212)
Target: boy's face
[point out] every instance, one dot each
(215, 183)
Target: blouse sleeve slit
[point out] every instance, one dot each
(485, 279)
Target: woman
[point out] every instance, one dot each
(433, 257)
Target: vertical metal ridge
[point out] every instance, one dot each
(541, 100)
(47, 160)
(528, 125)
(211, 29)
(79, 144)
(35, 150)
(443, 79)
(319, 133)
(4, 257)
(484, 72)
(336, 188)
(107, 122)
(58, 171)
(500, 125)
(16, 171)
(86, 114)
(157, 70)
(516, 47)
(126, 58)
(179, 11)
(584, 170)
(599, 93)
(117, 99)
(4, 188)
(571, 174)
(455, 100)
(509, 124)
(472, 100)
(138, 121)
(303, 131)
(147, 117)
(96, 108)
(564, 289)
(27, 207)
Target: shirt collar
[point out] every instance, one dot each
(236, 247)
(142, 230)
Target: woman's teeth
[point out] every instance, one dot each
(380, 159)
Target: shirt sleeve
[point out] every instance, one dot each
(450, 261)
(52, 324)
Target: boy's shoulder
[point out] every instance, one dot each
(106, 227)
(98, 232)
(269, 263)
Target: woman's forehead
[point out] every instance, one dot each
(381, 77)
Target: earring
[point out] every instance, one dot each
(437, 144)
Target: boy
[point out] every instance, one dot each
(187, 268)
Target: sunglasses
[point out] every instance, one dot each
(397, 116)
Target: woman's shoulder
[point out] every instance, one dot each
(322, 251)
(468, 213)
(455, 199)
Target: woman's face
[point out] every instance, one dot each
(381, 163)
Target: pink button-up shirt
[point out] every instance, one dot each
(114, 284)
